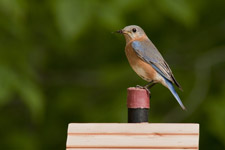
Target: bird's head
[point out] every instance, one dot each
(132, 32)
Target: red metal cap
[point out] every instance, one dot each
(137, 98)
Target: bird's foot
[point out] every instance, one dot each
(139, 86)
(144, 87)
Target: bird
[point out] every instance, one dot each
(145, 59)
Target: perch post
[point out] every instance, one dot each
(138, 104)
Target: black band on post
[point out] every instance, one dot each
(137, 115)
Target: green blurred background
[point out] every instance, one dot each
(61, 63)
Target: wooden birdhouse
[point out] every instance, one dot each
(135, 135)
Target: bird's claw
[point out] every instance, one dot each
(144, 87)
(138, 86)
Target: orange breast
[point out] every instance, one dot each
(143, 69)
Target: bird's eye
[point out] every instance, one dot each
(134, 30)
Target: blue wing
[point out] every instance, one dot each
(149, 53)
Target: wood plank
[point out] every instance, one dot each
(162, 141)
(132, 136)
(133, 128)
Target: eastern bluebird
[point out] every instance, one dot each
(147, 61)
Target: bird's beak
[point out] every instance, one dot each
(120, 31)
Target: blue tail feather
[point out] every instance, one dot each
(172, 90)
(170, 86)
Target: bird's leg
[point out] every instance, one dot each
(150, 86)
(147, 85)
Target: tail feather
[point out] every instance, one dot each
(172, 90)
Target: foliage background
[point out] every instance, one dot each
(60, 63)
